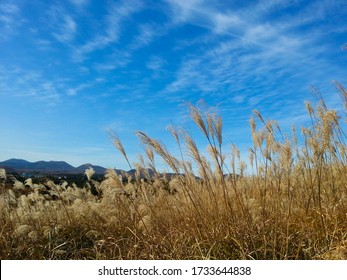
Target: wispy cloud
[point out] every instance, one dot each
(43, 44)
(79, 3)
(24, 83)
(183, 11)
(117, 13)
(146, 34)
(117, 59)
(254, 46)
(66, 30)
(240, 22)
(149, 32)
(74, 91)
(251, 60)
(155, 63)
(224, 21)
(9, 19)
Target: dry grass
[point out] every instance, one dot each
(290, 202)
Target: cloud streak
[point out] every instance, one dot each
(111, 30)
(9, 23)
(130, 63)
(255, 44)
(67, 30)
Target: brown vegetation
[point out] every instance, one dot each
(289, 202)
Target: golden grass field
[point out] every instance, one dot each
(289, 201)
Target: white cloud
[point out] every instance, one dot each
(155, 63)
(238, 99)
(66, 29)
(253, 22)
(117, 13)
(223, 22)
(9, 19)
(183, 10)
(257, 44)
(79, 3)
(147, 32)
(204, 14)
(118, 59)
(74, 91)
(187, 75)
(30, 84)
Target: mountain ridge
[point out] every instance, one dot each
(63, 168)
(21, 165)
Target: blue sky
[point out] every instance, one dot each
(70, 70)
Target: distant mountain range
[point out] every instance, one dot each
(62, 167)
(57, 167)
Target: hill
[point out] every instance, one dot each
(48, 167)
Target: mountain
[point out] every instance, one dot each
(97, 169)
(61, 167)
(47, 167)
(15, 163)
(143, 174)
(51, 165)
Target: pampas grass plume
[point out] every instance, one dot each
(89, 172)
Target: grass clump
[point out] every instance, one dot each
(288, 202)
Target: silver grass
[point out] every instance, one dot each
(89, 172)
